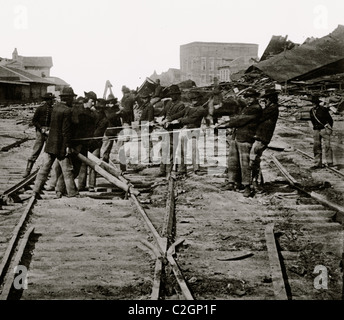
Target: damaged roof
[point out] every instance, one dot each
(10, 74)
(323, 56)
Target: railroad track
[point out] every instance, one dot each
(164, 248)
(156, 244)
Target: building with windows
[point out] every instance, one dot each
(202, 61)
(27, 79)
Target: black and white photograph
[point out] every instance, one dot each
(172, 157)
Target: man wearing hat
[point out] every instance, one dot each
(84, 118)
(191, 123)
(58, 147)
(41, 121)
(113, 129)
(146, 126)
(174, 109)
(322, 122)
(265, 130)
(244, 127)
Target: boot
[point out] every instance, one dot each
(29, 166)
(247, 191)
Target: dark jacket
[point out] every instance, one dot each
(320, 116)
(101, 124)
(84, 124)
(173, 110)
(245, 124)
(127, 114)
(42, 116)
(114, 121)
(60, 131)
(147, 113)
(193, 116)
(267, 124)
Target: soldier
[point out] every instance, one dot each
(126, 113)
(173, 110)
(101, 123)
(244, 128)
(266, 127)
(41, 121)
(84, 124)
(58, 145)
(146, 125)
(322, 130)
(191, 122)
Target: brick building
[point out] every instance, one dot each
(202, 61)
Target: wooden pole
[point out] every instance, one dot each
(104, 173)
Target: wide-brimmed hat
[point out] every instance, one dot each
(125, 89)
(101, 102)
(48, 96)
(90, 95)
(174, 89)
(251, 93)
(111, 98)
(67, 91)
(269, 93)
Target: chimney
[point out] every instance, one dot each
(15, 54)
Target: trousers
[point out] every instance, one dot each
(239, 170)
(66, 177)
(322, 138)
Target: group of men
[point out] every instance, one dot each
(73, 127)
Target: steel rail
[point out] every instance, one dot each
(16, 233)
(315, 196)
(18, 258)
(23, 183)
(326, 166)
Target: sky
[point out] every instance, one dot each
(125, 41)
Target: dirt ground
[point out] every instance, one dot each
(214, 223)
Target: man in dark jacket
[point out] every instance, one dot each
(191, 123)
(174, 109)
(266, 127)
(84, 124)
(127, 117)
(112, 113)
(146, 126)
(58, 145)
(41, 121)
(94, 146)
(244, 128)
(322, 125)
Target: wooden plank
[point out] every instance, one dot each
(111, 178)
(162, 245)
(339, 209)
(275, 266)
